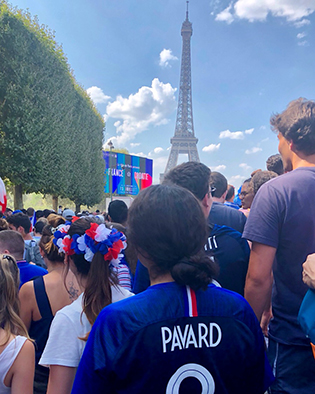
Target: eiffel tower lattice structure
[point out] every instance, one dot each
(184, 140)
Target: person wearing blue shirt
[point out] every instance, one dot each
(183, 334)
(220, 213)
(12, 243)
(224, 244)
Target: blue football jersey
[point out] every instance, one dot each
(170, 339)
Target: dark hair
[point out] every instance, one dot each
(46, 241)
(192, 176)
(3, 225)
(230, 193)
(39, 214)
(39, 225)
(97, 293)
(118, 211)
(30, 211)
(274, 163)
(297, 124)
(47, 212)
(13, 242)
(20, 219)
(174, 241)
(260, 178)
(219, 181)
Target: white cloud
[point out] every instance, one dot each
(225, 15)
(97, 95)
(253, 150)
(301, 35)
(134, 144)
(165, 57)
(236, 180)
(233, 135)
(245, 166)
(150, 106)
(301, 23)
(139, 154)
(211, 148)
(292, 10)
(156, 151)
(249, 131)
(218, 168)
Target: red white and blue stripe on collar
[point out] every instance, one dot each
(190, 302)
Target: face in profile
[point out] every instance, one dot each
(246, 195)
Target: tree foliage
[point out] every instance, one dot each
(50, 132)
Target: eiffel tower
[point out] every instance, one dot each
(184, 140)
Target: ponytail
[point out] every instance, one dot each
(97, 293)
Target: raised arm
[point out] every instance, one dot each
(259, 277)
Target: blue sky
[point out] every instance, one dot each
(249, 60)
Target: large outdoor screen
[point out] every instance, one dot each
(126, 174)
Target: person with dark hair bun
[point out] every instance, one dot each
(90, 251)
(182, 326)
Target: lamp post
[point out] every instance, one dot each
(111, 148)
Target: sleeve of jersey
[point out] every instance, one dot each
(94, 371)
(263, 224)
(62, 345)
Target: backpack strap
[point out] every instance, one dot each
(42, 298)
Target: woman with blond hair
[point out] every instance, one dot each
(17, 358)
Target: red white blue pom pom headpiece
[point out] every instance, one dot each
(98, 238)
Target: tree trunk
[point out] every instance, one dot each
(77, 208)
(55, 203)
(18, 197)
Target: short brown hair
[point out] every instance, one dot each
(297, 124)
(192, 176)
(13, 242)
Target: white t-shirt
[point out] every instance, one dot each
(69, 324)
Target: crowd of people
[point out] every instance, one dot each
(195, 288)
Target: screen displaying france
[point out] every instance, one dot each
(126, 174)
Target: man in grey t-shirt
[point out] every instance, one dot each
(281, 226)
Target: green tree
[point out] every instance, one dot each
(49, 127)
